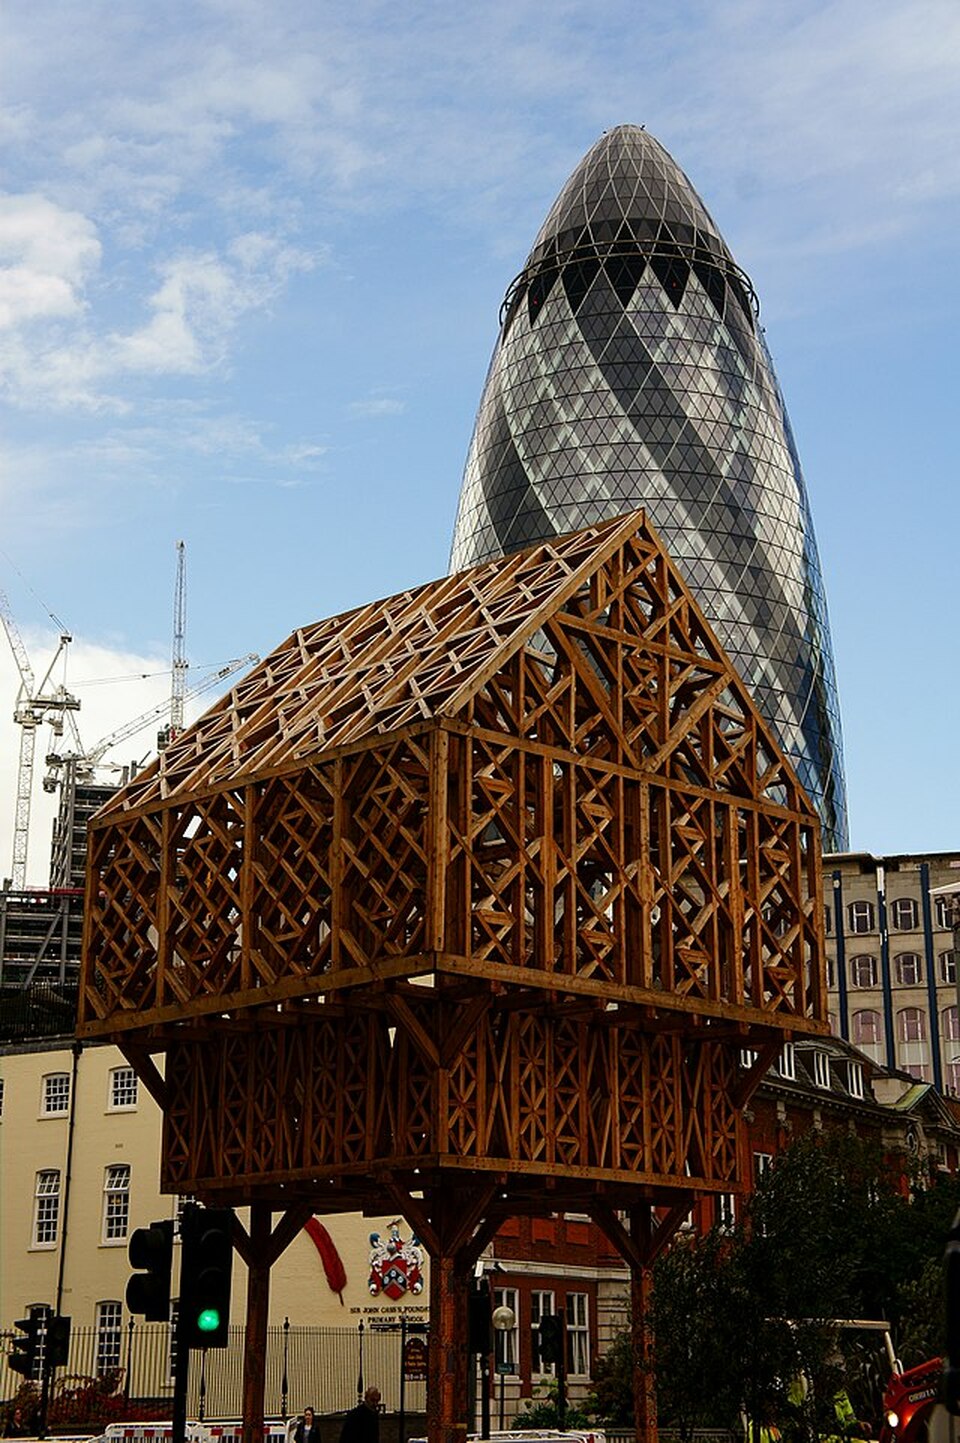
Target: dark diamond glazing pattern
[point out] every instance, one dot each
(630, 371)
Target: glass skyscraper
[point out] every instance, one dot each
(630, 371)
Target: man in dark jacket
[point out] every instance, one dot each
(362, 1423)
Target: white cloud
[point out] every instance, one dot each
(199, 302)
(377, 406)
(195, 310)
(46, 255)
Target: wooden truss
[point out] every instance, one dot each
(470, 901)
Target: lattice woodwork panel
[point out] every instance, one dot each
(205, 913)
(493, 846)
(292, 873)
(596, 904)
(665, 1101)
(122, 917)
(782, 955)
(409, 1085)
(384, 852)
(547, 1095)
(631, 1101)
(695, 891)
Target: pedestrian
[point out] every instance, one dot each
(16, 1425)
(308, 1429)
(362, 1423)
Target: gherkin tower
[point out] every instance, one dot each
(630, 371)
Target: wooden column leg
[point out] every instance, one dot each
(255, 1338)
(447, 1360)
(641, 1295)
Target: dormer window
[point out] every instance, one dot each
(821, 1069)
(855, 1079)
(787, 1066)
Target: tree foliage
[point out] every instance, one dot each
(744, 1320)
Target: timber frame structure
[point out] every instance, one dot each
(469, 902)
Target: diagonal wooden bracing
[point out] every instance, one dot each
(469, 902)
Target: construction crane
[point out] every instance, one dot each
(34, 705)
(178, 684)
(85, 763)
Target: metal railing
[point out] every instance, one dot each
(115, 1376)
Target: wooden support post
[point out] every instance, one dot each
(641, 1295)
(255, 1337)
(447, 1357)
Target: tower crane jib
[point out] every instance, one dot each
(34, 706)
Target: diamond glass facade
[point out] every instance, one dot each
(630, 371)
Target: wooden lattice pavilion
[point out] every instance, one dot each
(466, 903)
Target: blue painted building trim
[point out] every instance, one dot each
(928, 953)
(843, 1000)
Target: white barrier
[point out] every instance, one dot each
(228, 1432)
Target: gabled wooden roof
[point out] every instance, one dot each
(411, 658)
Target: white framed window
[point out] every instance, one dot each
(55, 1094)
(787, 1062)
(950, 1025)
(860, 915)
(762, 1162)
(578, 1335)
(952, 1078)
(821, 1069)
(109, 1335)
(855, 1079)
(505, 1340)
(866, 1027)
(947, 962)
(116, 1203)
(863, 971)
(747, 1057)
(541, 1303)
(831, 973)
(907, 969)
(122, 1095)
(911, 1024)
(943, 911)
(46, 1208)
(904, 913)
(827, 921)
(726, 1211)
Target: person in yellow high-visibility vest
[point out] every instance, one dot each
(849, 1426)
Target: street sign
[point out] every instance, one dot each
(506, 1369)
(415, 1360)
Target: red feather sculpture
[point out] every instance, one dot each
(333, 1267)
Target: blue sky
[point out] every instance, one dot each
(251, 259)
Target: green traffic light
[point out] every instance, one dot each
(208, 1321)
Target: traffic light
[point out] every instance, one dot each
(58, 1341)
(479, 1318)
(206, 1270)
(148, 1291)
(23, 1355)
(551, 1338)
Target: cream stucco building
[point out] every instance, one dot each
(79, 1168)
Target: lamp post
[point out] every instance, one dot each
(504, 1320)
